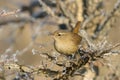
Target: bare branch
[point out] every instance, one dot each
(4, 13)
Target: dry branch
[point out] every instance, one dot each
(85, 56)
(4, 13)
(91, 53)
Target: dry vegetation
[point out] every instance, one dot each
(26, 49)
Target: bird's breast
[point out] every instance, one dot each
(66, 47)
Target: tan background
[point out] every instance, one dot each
(18, 36)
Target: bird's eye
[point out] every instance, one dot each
(59, 34)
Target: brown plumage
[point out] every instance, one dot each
(66, 42)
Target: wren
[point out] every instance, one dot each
(67, 42)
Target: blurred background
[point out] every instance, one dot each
(27, 31)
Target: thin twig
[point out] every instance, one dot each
(66, 12)
(4, 13)
(92, 16)
(109, 49)
(47, 9)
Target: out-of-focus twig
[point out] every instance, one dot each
(106, 19)
(66, 12)
(4, 13)
(109, 49)
(88, 40)
(92, 16)
(21, 18)
(47, 9)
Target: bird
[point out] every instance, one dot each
(67, 42)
